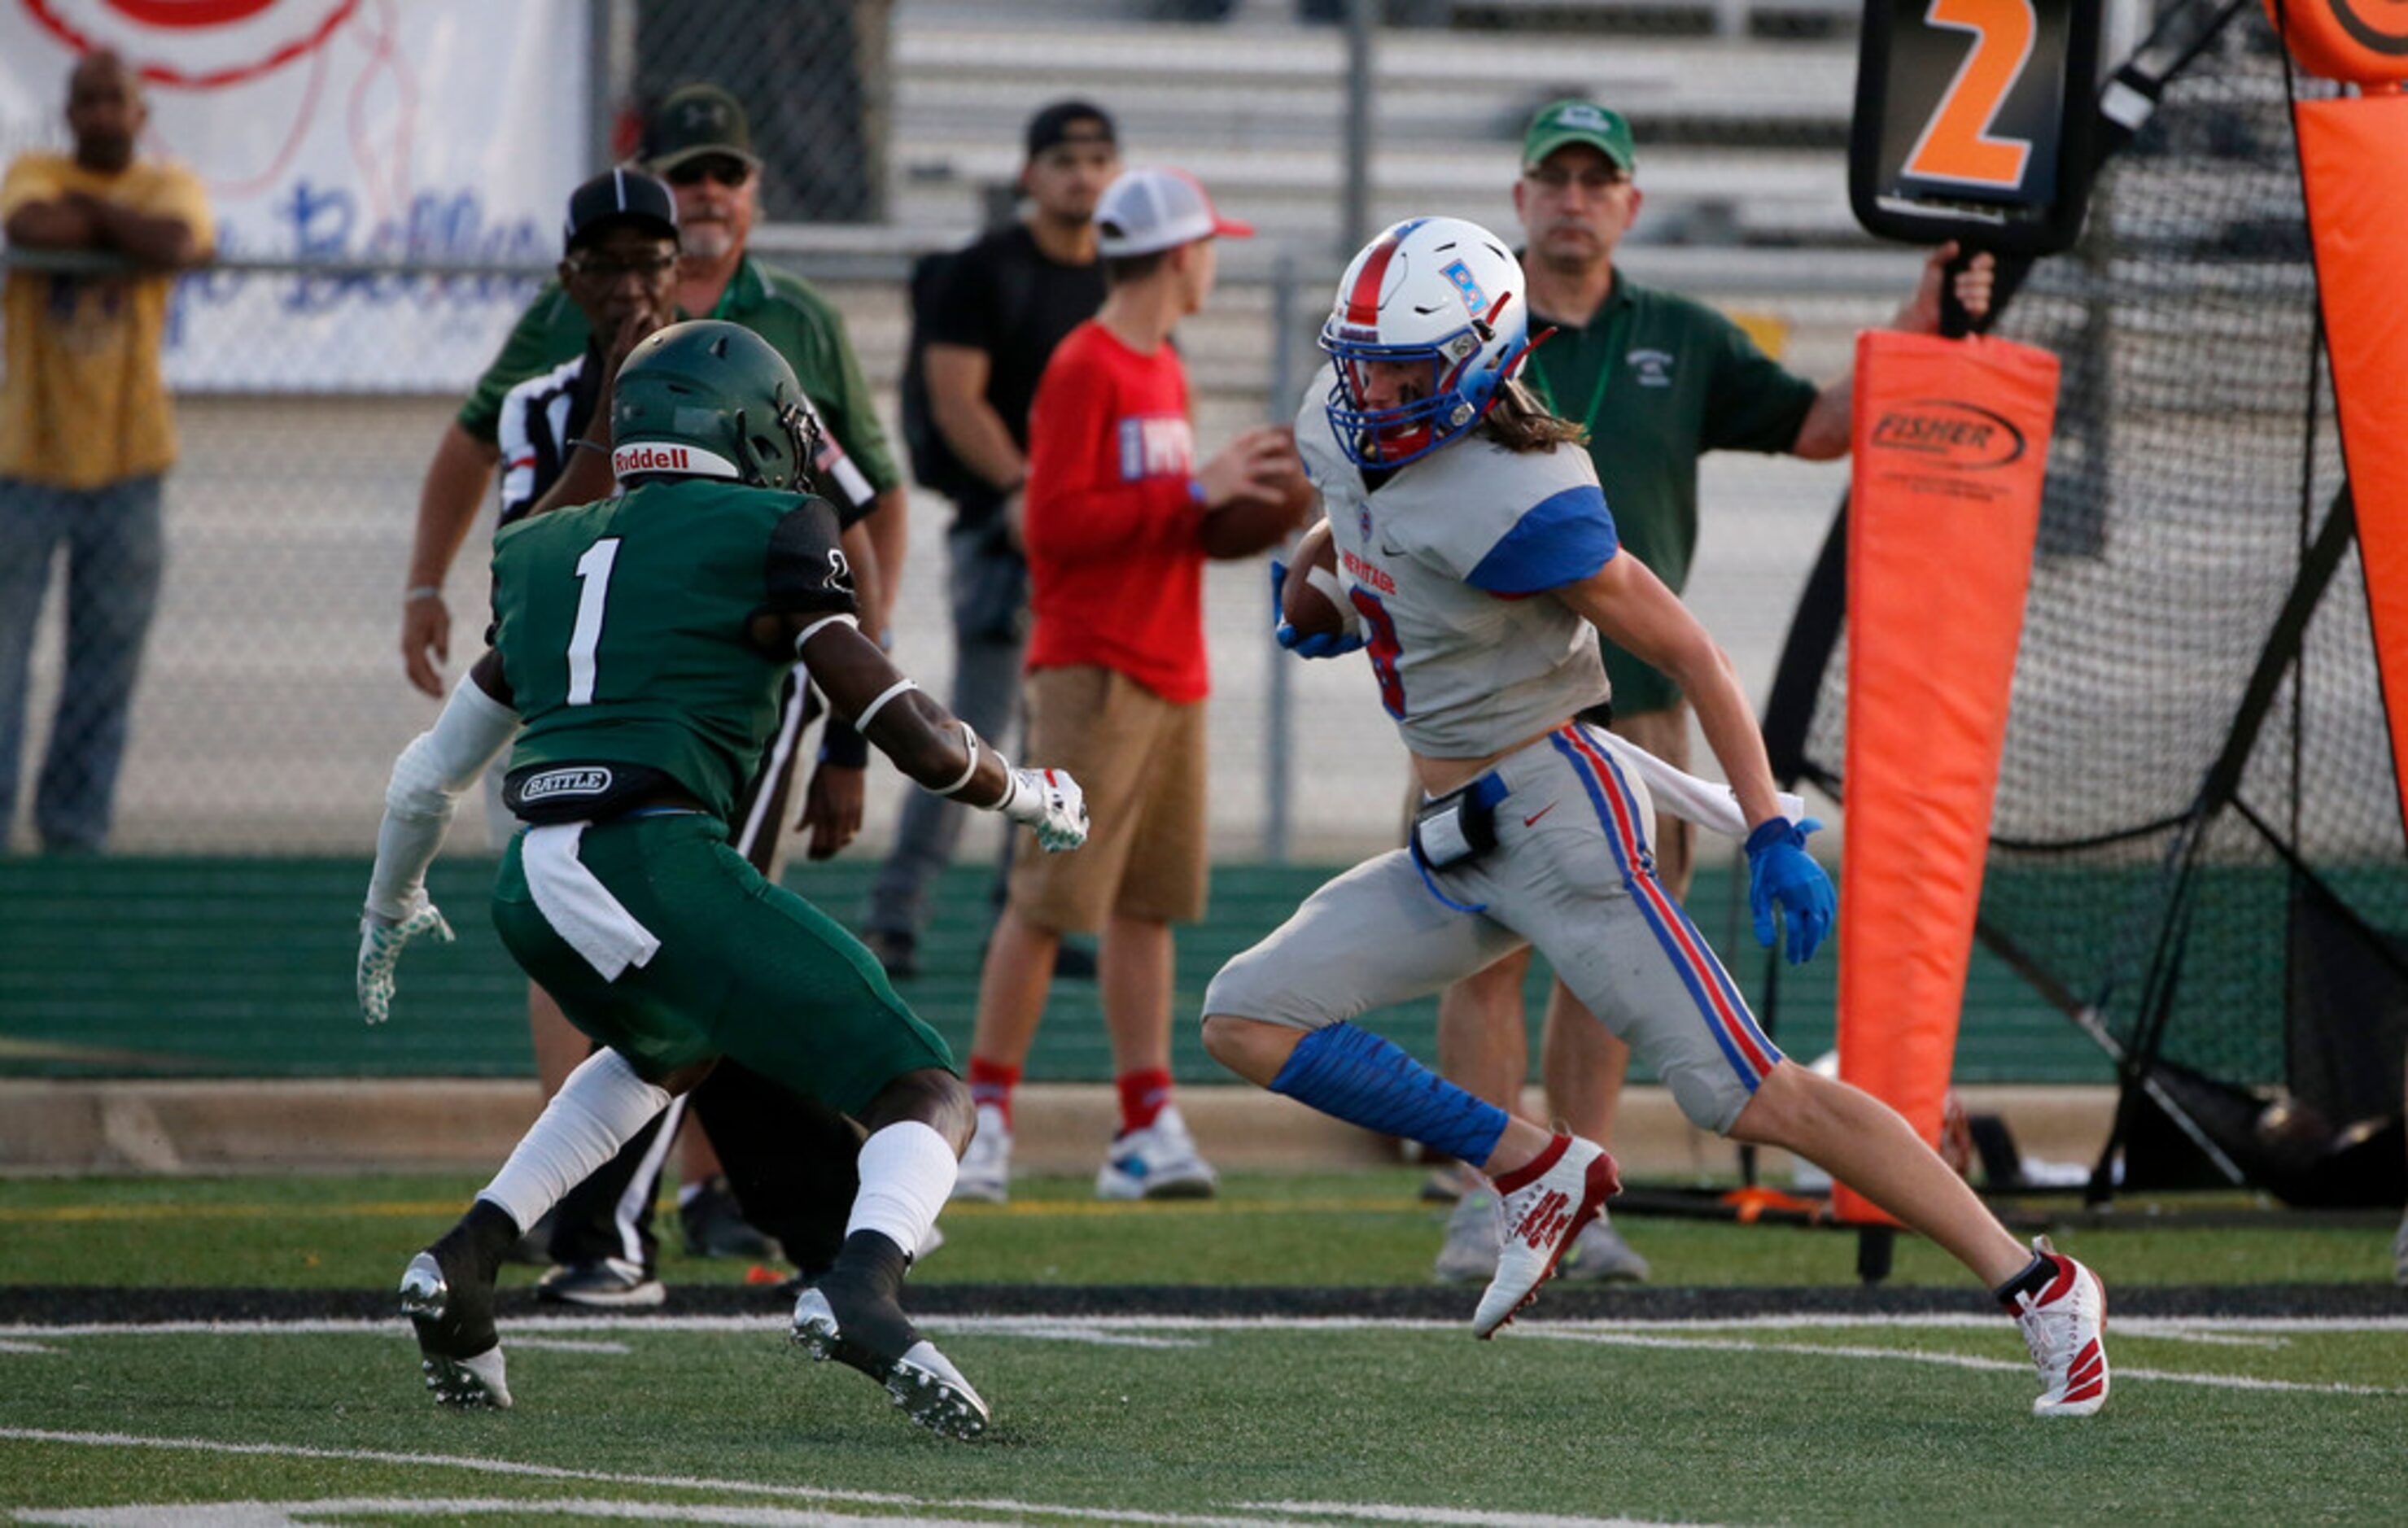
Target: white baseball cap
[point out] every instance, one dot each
(1146, 210)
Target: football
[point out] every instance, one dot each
(1301, 606)
(1247, 527)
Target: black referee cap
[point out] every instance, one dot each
(619, 194)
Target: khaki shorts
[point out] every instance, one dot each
(1141, 761)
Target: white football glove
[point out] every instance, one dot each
(1050, 802)
(381, 944)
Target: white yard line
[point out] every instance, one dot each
(304, 1514)
(1453, 1517)
(916, 1505)
(1961, 1361)
(572, 1345)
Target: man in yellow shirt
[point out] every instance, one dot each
(86, 434)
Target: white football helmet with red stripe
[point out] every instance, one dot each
(1435, 289)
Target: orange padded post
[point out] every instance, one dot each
(1951, 448)
(2354, 158)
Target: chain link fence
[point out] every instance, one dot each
(271, 700)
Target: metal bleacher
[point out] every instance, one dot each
(1738, 133)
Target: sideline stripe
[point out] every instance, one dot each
(447, 1209)
(2172, 1328)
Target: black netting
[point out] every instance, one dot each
(2195, 463)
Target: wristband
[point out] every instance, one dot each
(422, 592)
(970, 739)
(842, 746)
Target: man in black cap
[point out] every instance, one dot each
(995, 312)
(619, 266)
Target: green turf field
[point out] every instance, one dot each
(1851, 1411)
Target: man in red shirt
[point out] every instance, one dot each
(1117, 679)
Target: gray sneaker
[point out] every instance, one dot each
(1599, 1255)
(1473, 1240)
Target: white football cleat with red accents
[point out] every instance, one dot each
(1544, 1205)
(2065, 1326)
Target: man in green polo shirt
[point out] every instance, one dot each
(1659, 380)
(700, 142)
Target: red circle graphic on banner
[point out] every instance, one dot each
(196, 44)
(2364, 42)
(188, 12)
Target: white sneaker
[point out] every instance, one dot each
(2065, 1326)
(986, 1175)
(1541, 1219)
(1468, 1254)
(1159, 1162)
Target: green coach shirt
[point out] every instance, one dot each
(785, 310)
(1660, 380)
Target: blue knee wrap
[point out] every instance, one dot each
(1365, 1081)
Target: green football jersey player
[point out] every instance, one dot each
(642, 641)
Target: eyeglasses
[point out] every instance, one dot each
(647, 269)
(1557, 179)
(729, 172)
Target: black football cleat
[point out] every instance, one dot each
(850, 1315)
(451, 1309)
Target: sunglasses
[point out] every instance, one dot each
(728, 172)
(648, 269)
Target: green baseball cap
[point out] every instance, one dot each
(1559, 122)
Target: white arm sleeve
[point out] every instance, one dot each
(1708, 805)
(428, 779)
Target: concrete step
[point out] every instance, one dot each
(60, 1127)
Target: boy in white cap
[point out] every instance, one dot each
(1117, 679)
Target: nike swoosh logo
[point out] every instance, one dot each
(1532, 820)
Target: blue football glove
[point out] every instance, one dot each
(1335, 644)
(1781, 873)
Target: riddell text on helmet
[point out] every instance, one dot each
(643, 456)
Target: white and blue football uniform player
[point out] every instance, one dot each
(1479, 558)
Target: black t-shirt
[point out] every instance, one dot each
(1002, 295)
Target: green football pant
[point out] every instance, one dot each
(744, 969)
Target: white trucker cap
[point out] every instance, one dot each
(1146, 210)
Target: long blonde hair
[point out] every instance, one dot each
(1521, 423)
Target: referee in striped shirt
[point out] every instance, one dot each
(790, 1159)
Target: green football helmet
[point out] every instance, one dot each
(712, 399)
